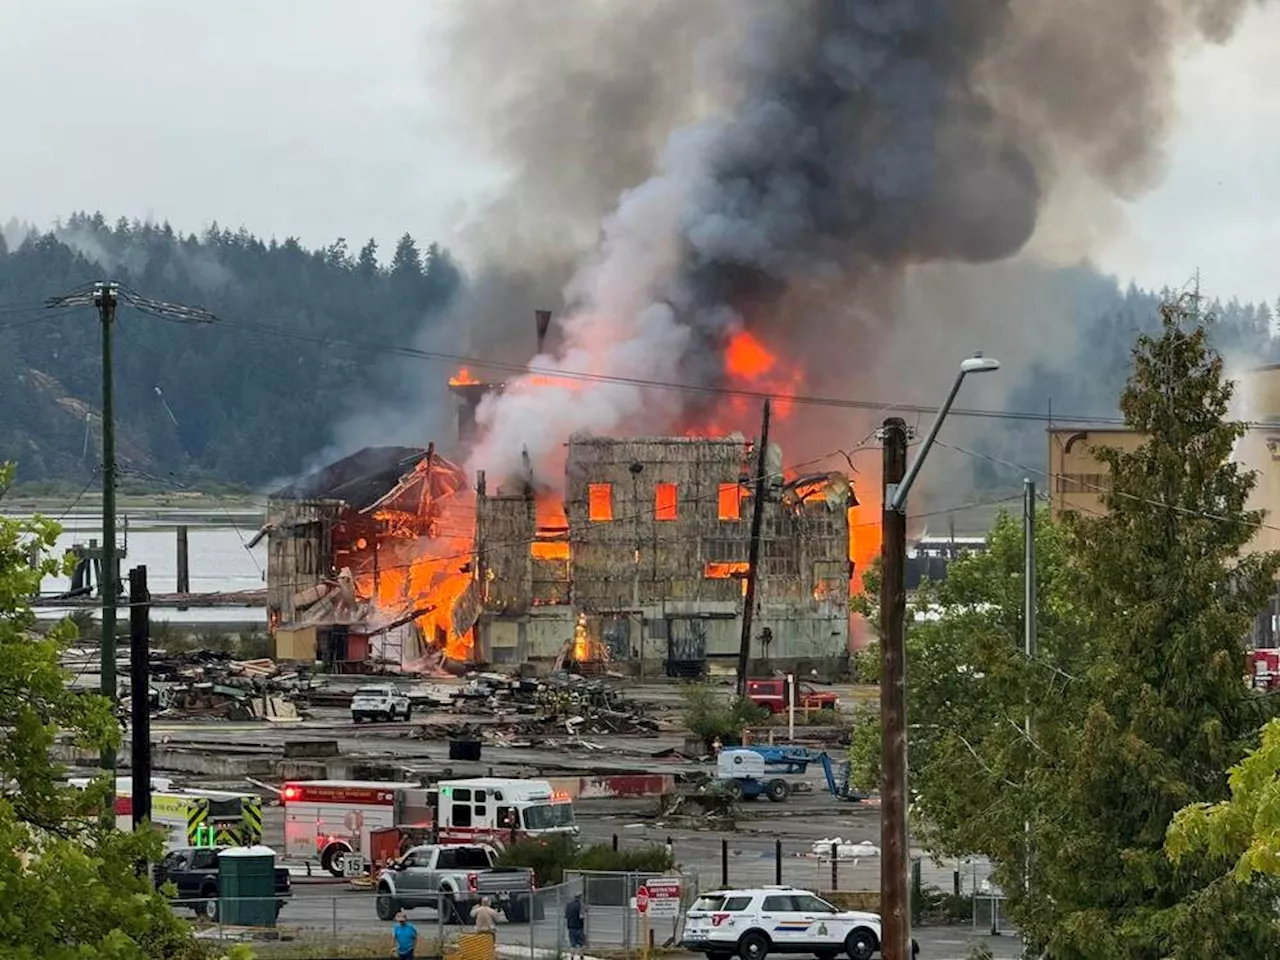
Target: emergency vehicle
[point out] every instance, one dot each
(325, 820)
(193, 818)
(497, 810)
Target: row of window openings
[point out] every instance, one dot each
(665, 502)
(1083, 482)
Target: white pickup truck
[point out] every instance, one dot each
(382, 702)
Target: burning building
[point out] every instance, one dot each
(648, 549)
(369, 562)
(637, 556)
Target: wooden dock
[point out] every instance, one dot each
(179, 601)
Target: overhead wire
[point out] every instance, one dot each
(1098, 488)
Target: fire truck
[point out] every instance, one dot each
(326, 820)
(193, 818)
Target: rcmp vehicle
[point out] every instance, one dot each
(754, 923)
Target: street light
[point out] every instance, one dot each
(975, 364)
(894, 854)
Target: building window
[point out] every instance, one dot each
(730, 501)
(1096, 483)
(664, 501)
(600, 502)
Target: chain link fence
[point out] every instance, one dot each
(747, 860)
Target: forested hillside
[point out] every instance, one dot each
(257, 397)
(1088, 382)
(233, 402)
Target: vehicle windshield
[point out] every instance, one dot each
(371, 691)
(709, 904)
(546, 816)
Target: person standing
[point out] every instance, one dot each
(485, 918)
(404, 937)
(577, 928)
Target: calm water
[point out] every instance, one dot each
(218, 560)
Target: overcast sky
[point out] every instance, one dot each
(315, 118)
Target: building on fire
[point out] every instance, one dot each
(383, 558)
(650, 555)
(638, 557)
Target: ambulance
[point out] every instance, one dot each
(192, 818)
(326, 820)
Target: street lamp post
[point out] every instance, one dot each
(894, 855)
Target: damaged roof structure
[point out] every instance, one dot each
(364, 564)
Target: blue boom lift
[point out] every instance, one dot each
(748, 772)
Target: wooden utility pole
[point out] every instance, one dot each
(753, 555)
(104, 297)
(895, 916)
(140, 692)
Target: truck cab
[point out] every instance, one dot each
(774, 694)
(453, 879)
(195, 876)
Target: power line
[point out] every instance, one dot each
(1098, 488)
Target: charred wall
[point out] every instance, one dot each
(299, 550)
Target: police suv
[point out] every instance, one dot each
(754, 923)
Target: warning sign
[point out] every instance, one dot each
(663, 895)
(642, 901)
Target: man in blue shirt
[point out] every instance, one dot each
(405, 936)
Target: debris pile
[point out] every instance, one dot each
(212, 685)
(521, 711)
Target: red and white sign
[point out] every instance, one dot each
(642, 901)
(663, 897)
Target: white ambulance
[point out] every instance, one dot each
(498, 810)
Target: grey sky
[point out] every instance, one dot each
(315, 118)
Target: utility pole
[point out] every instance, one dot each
(140, 692)
(104, 297)
(753, 554)
(895, 915)
(1028, 618)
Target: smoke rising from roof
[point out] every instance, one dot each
(783, 165)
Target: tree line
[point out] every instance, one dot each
(237, 401)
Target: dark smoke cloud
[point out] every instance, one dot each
(785, 165)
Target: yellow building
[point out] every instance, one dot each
(1077, 478)
(1258, 396)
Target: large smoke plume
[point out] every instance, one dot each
(783, 166)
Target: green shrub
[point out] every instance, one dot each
(711, 716)
(549, 858)
(866, 664)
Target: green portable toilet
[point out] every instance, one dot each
(247, 886)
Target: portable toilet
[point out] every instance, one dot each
(247, 886)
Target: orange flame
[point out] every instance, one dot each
(747, 358)
(462, 378)
(419, 559)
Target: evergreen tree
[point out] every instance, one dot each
(1136, 696)
(367, 262)
(1170, 599)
